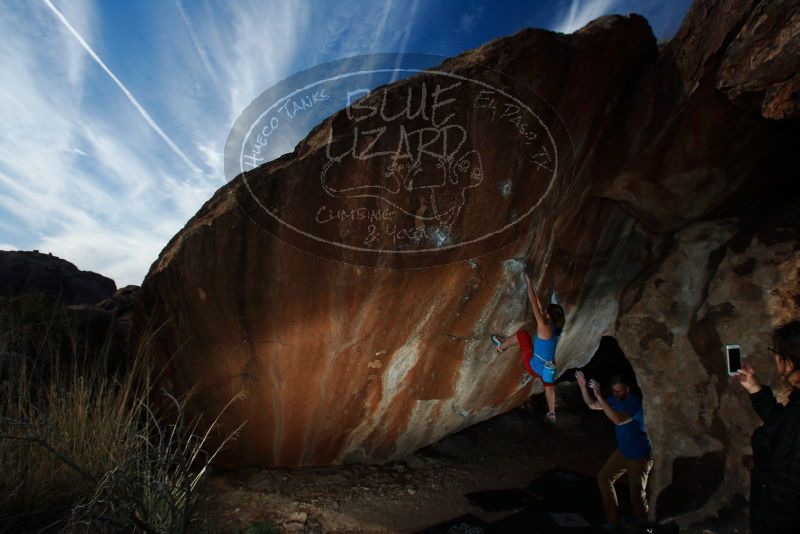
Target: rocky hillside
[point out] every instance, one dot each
(654, 191)
(25, 272)
(98, 315)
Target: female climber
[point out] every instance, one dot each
(539, 353)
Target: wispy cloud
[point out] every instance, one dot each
(222, 57)
(664, 17)
(334, 35)
(409, 24)
(243, 48)
(468, 19)
(381, 26)
(90, 183)
(581, 12)
(124, 89)
(199, 46)
(406, 36)
(87, 170)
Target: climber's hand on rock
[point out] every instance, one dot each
(747, 377)
(528, 270)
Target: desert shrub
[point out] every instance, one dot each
(82, 448)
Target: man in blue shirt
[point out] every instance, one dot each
(633, 454)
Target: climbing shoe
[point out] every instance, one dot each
(496, 341)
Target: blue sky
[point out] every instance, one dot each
(114, 115)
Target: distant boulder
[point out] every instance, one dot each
(89, 311)
(24, 272)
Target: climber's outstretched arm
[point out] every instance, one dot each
(543, 329)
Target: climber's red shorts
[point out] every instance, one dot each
(526, 347)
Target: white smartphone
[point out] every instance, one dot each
(733, 357)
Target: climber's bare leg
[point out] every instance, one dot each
(509, 342)
(550, 397)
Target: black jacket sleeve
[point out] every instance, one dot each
(765, 404)
(777, 464)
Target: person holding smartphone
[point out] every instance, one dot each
(775, 479)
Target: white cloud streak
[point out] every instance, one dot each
(468, 19)
(86, 173)
(122, 87)
(92, 184)
(581, 12)
(406, 37)
(381, 27)
(198, 45)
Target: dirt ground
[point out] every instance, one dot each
(419, 491)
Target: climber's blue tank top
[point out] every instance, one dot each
(545, 348)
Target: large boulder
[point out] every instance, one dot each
(344, 362)
(656, 235)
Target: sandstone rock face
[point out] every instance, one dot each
(719, 285)
(656, 235)
(342, 362)
(761, 68)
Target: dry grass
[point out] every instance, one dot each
(82, 447)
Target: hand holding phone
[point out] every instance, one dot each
(746, 376)
(733, 359)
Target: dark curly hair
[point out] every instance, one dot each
(556, 314)
(786, 340)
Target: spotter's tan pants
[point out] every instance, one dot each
(637, 470)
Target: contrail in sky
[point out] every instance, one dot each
(124, 89)
(201, 51)
(387, 7)
(404, 43)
